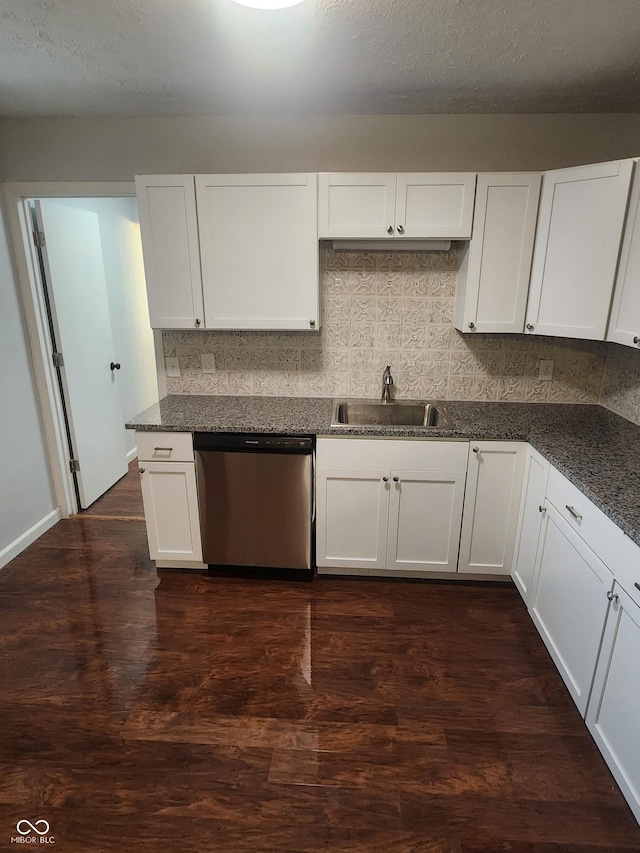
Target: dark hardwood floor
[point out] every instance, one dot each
(145, 710)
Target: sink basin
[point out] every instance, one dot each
(397, 414)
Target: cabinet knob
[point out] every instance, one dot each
(385, 479)
(142, 470)
(312, 323)
(612, 596)
(541, 508)
(197, 321)
(115, 365)
(400, 229)
(530, 327)
(390, 229)
(472, 325)
(396, 479)
(636, 340)
(476, 449)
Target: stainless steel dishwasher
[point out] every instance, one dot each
(255, 495)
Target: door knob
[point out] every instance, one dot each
(142, 470)
(115, 365)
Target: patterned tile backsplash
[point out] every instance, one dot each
(379, 309)
(621, 383)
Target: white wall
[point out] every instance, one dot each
(26, 493)
(127, 295)
(115, 149)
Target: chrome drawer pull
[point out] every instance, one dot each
(637, 585)
(574, 512)
(168, 449)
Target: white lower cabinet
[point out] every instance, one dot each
(389, 505)
(613, 715)
(569, 602)
(534, 489)
(492, 500)
(170, 499)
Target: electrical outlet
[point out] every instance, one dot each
(208, 362)
(546, 370)
(172, 366)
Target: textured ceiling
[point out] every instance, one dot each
(187, 57)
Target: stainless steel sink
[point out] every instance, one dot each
(397, 414)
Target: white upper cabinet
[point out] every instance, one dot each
(370, 205)
(259, 249)
(578, 239)
(493, 281)
(624, 324)
(169, 232)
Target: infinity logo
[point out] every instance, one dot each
(32, 827)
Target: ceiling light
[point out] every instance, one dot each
(269, 4)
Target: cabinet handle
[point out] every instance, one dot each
(312, 323)
(574, 512)
(636, 340)
(541, 508)
(197, 322)
(396, 479)
(637, 585)
(612, 596)
(390, 229)
(530, 327)
(168, 449)
(400, 229)
(472, 325)
(142, 470)
(385, 479)
(115, 365)
(476, 449)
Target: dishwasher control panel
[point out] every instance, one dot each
(248, 442)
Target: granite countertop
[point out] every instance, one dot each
(594, 448)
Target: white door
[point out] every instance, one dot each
(74, 269)
(569, 603)
(170, 500)
(435, 205)
(259, 249)
(624, 324)
(491, 504)
(578, 239)
(493, 283)
(356, 205)
(169, 232)
(536, 474)
(425, 510)
(351, 518)
(614, 707)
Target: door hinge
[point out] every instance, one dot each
(74, 465)
(38, 239)
(58, 361)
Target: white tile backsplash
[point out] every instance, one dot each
(390, 308)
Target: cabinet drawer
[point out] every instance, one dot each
(165, 446)
(597, 530)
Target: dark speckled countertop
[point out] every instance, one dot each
(594, 448)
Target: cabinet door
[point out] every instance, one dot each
(169, 232)
(578, 239)
(351, 518)
(358, 205)
(259, 247)
(425, 511)
(569, 603)
(494, 277)
(613, 714)
(435, 205)
(170, 504)
(492, 500)
(624, 324)
(536, 474)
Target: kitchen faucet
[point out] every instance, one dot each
(387, 382)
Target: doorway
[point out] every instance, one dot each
(94, 345)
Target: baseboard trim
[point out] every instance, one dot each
(28, 537)
(132, 454)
